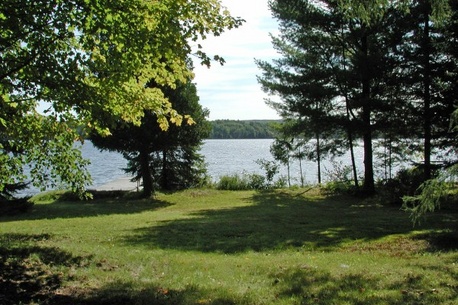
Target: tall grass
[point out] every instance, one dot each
(247, 181)
(238, 182)
(219, 247)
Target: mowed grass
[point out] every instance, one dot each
(223, 247)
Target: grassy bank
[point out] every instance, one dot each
(220, 247)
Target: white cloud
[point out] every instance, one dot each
(232, 91)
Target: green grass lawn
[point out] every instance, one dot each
(222, 247)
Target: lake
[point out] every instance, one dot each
(223, 157)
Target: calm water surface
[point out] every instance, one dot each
(223, 157)
(226, 157)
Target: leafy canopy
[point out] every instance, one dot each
(82, 58)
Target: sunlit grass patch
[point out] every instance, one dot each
(223, 247)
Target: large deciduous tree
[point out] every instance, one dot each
(81, 58)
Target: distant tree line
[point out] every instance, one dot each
(242, 129)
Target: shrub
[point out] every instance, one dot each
(281, 182)
(339, 187)
(256, 181)
(339, 177)
(242, 182)
(233, 183)
(405, 183)
(248, 182)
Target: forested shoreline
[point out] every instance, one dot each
(242, 129)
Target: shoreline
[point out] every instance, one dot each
(120, 184)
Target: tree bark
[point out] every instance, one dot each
(164, 178)
(148, 189)
(427, 92)
(369, 185)
(318, 157)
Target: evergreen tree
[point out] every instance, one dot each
(372, 76)
(166, 159)
(328, 72)
(431, 67)
(432, 191)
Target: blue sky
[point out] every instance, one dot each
(232, 91)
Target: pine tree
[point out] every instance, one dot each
(165, 159)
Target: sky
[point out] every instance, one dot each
(231, 91)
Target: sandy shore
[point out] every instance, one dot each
(121, 184)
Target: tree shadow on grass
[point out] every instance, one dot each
(121, 293)
(33, 274)
(27, 271)
(276, 220)
(443, 241)
(313, 286)
(104, 203)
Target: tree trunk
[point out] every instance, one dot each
(148, 189)
(350, 115)
(350, 143)
(289, 172)
(352, 157)
(318, 157)
(164, 178)
(300, 169)
(369, 185)
(427, 93)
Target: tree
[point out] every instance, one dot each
(430, 14)
(368, 11)
(169, 158)
(83, 58)
(282, 150)
(327, 73)
(431, 193)
(431, 66)
(356, 67)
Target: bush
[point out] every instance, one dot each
(340, 179)
(339, 187)
(248, 182)
(232, 183)
(256, 181)
(282, 182)
(405, 183)
(242, 182)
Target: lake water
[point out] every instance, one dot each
(226, 157)
(223, 157)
